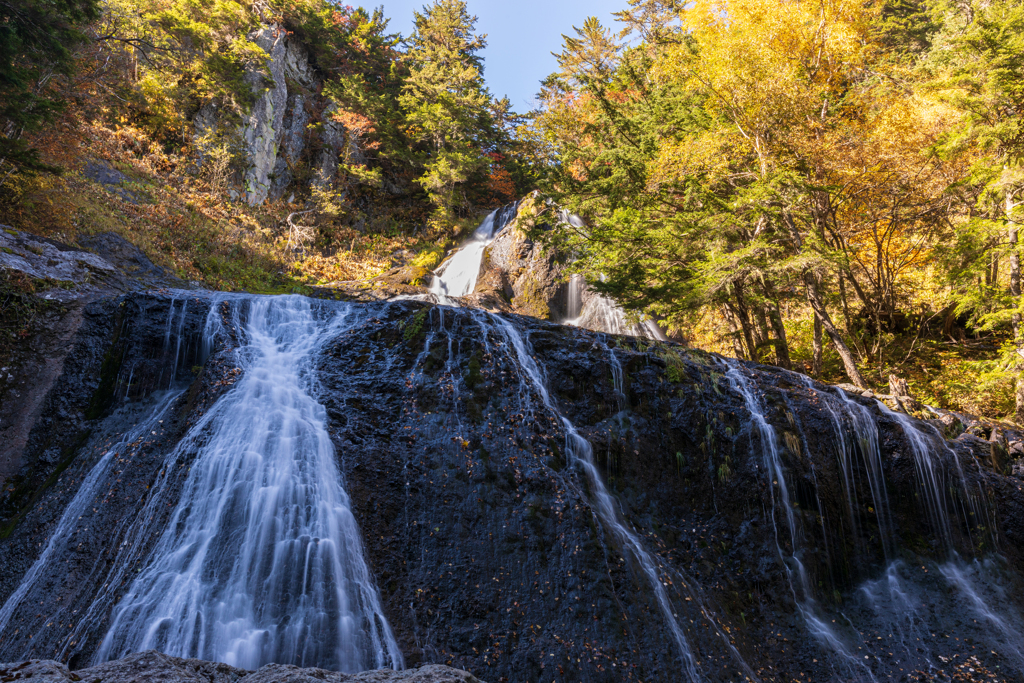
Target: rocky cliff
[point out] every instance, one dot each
(289, 135)
(762, 526)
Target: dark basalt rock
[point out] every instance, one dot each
(480, 529)
(155, 667)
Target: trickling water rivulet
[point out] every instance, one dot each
(604, 503)
(893, 604)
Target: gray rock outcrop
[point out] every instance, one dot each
(155, 667)
(521, 276)
(275, 134)
(261, 134)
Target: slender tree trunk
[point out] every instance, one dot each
(816, 362)
(760, 315)
(736, 331)
(749, 333)
(848, 317)
(818, 305)
(774, 315)
(1015, 294)
(781, 344)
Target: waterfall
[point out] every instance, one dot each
(457, 276)
(799, 581)
(896, 604)
(89, 494)
(577, 286)
(603, 314)
(604, 504)
(262, 560)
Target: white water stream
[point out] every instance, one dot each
(893, 605)
(458, 275)
(262, 560)
(604, 504)
(89, 494)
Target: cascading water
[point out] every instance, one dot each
(604, 504)
(894, 612)
(457, 276)
(262, 560)
(604, 315)
(457, 426)
(90, 494)
(574, 307)
(803, 593)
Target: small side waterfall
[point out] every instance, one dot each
(262, 560)
(457, 276)
(604, 315)
(799, 581)
(895, 605)
(604, 504)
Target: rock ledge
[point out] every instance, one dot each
(155, 667)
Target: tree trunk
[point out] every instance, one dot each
(763, 335)
(749, 333)
(814, 299)
(736, 331)
(781, 344)
(818, 305)
(1015, 294)
(816, 362)
(774, 315)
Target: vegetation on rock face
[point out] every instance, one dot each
(161, 95)
(834, 187)
(37, 43)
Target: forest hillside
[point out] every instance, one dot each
(833, 187)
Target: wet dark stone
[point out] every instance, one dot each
(479, 525)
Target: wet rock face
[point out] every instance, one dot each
(481, 530)
(155, 667)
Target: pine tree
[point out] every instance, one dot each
(445, 101)
(37, 41)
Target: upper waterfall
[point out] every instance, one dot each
(458, 275)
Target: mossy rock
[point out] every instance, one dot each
(532, 300)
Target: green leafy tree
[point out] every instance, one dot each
(445, 101)
(978, 67)
(37, 43)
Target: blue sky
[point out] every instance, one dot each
(521, 35)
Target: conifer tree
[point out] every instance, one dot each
(37, 40)
(445, 100)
